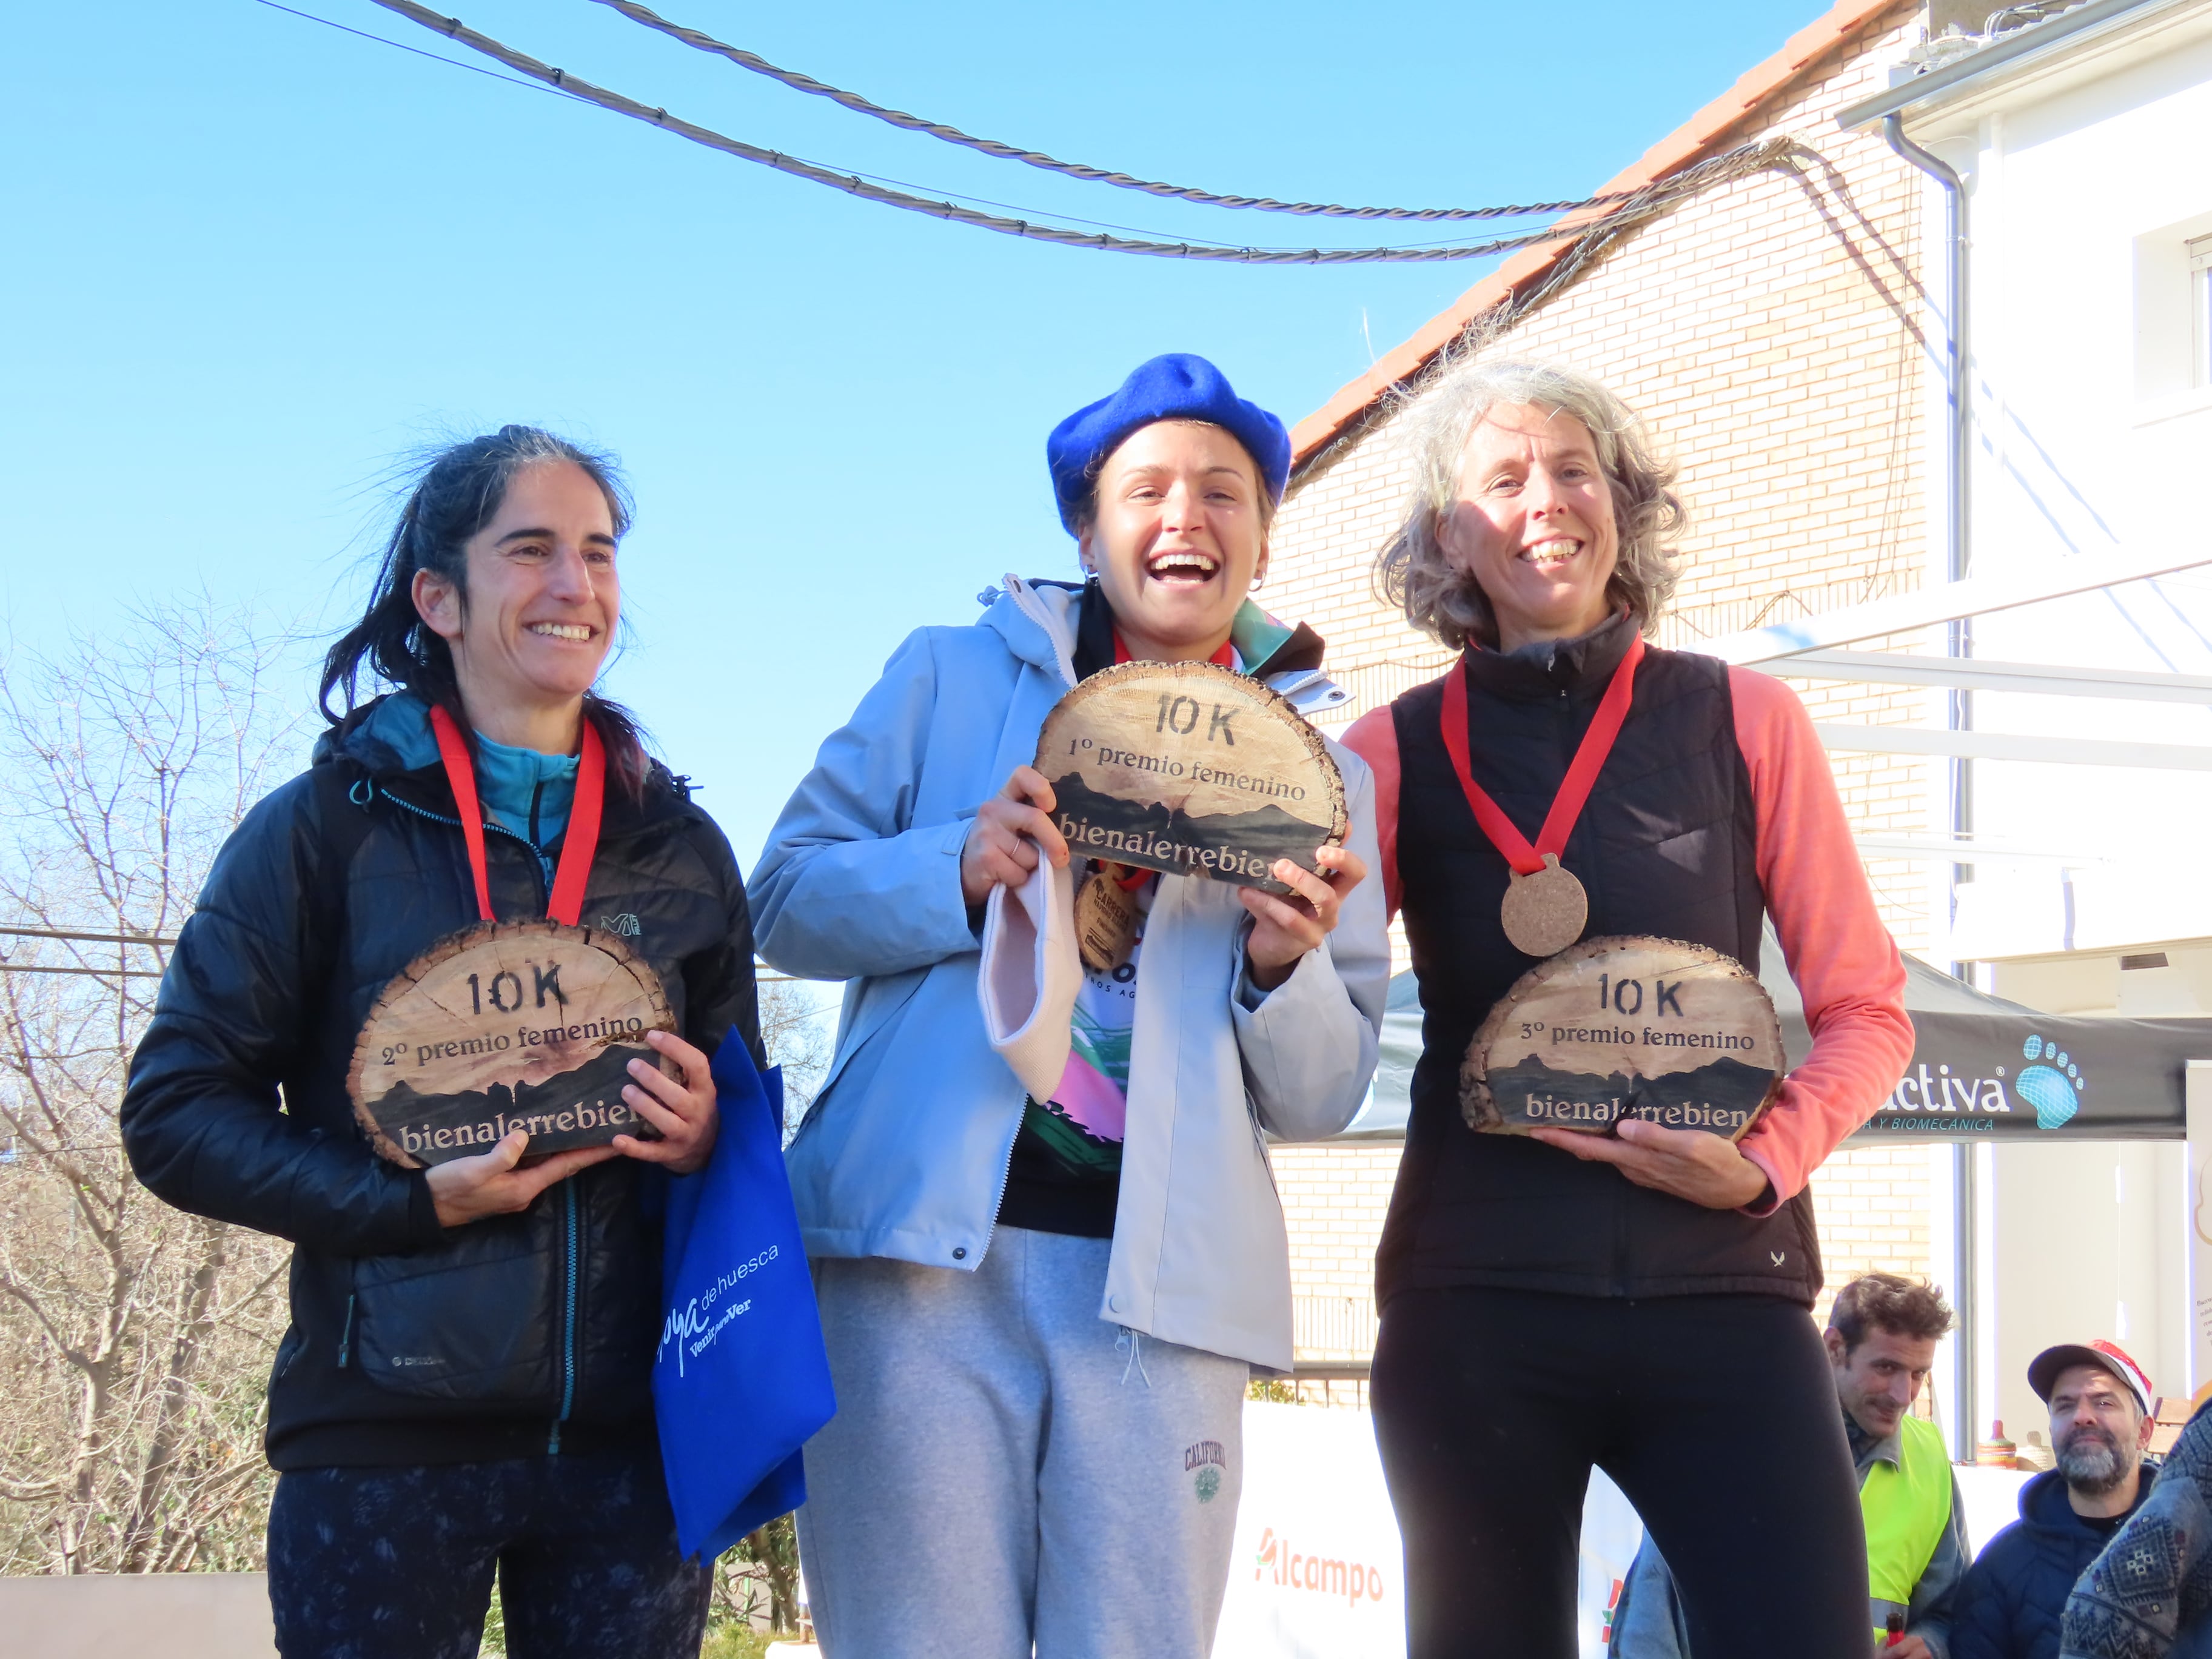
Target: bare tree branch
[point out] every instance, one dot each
(135, 1339)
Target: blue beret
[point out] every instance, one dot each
(1177, 386)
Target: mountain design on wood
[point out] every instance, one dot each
(1618, 1027)
(472, 1120)
(1721, 1097)
(1245, 844)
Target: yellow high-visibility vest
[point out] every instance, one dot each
(1906, 1505)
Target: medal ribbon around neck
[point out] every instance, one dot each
(578, 846)
(1541, 857)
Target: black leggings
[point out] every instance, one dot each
(397, 1564)
(1715, 1416)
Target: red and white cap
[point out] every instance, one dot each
(2043, 1370)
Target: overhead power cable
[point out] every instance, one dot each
(401, 45)
(1632, 208)
(26, 931)
(555, 92)
(702, 42)
(81, 973)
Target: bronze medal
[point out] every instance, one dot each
(1545, 912)
(1105, 920)
(1546, 907)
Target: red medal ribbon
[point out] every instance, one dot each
(578, 845)
(1574, 788)
(1224, 658)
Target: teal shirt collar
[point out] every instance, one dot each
(509, 780)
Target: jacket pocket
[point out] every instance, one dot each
(287, 1354)
(882, 1001)
(472, 1320)
(1260, 1145)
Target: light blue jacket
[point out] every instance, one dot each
(905, 1149)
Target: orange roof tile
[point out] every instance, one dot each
(1700, 133)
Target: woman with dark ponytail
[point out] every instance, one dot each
(465, 1389)
(455, 495)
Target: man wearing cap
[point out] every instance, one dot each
(2149, 1595)
(1882, 1337)
(1042, 1300)
(2010, 1606)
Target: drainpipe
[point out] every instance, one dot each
(1959, 385)
(1965, 1417)
(1960, 390)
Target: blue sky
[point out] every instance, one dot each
(251, 261)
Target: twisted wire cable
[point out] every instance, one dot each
(700, 40)
(1631, 209)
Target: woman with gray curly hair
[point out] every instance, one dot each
(1634, 1300)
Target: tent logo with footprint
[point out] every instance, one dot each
(2052, 1083)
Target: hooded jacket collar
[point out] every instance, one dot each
(1037, 621)
(2044, 1508)
(1579, 667)
(1051, 623)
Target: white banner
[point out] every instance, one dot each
(1318, 1572)
(1611, 1533)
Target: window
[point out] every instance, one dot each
(2174, 319)
(2199, 250)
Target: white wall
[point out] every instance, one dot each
(2088, 1242)
(2090, 441)
(174, 1615)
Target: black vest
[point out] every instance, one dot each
(1667, 845)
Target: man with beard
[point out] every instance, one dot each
(1882, 1337)
(2149, 1595)
(2010, 1606)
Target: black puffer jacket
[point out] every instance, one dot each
(410, 1344)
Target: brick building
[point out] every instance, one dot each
(1771, 330)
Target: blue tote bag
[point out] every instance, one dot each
(741, 1381)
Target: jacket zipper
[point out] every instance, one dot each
(345, 1336)
(1569, 741)
(567, 1322)
(1005, 1175)
(1026, 601)
(537, 857)
(568, 1187)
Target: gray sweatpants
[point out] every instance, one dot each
(1006, 1468)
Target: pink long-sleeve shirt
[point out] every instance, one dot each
(1846, 965)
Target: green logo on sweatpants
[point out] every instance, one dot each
(1209, 1459)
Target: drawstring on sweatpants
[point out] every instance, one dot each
(1135, 1345)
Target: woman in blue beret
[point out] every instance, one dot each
(1042, 1313)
